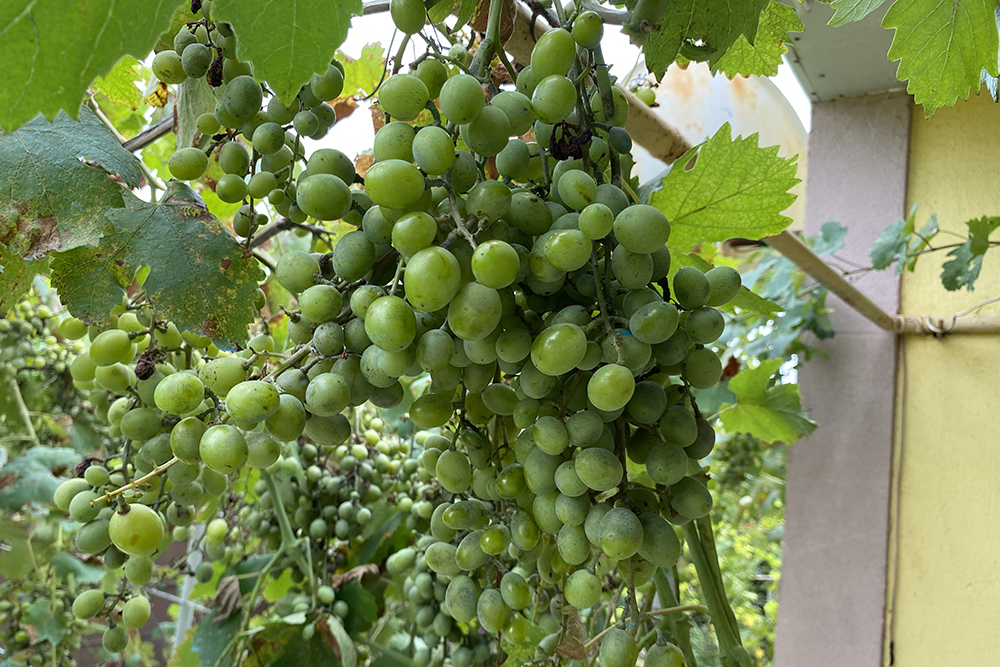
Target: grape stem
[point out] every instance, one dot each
(680, 631)
(607, 97)
(596, 639)
(487, 47)
(157, 470)
(289, 542)
(293, 359)
(22, 410)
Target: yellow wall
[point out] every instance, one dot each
(947, 597)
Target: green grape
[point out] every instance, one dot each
(141, 423)
(514, 160)
(572, 510)
(724, 283)
(462, 597)
(268, 138)
(137, 532)
(666, 463)
(400, 561)
(470, 555)
(690, 498)
(641, 229)
(654, 322)
(646, 95)
(633, 270)
(185, 439)
(678, 425)
(196, 60)
(234, 159)
(328, 431)
(434, 350)
(462, 99)
(500, 399)
(321, 303)
(588, 30)
(559, 349)
(620, 533)
(242, 97)
(599, 469)
(703, 443)
(305, 123)
(453, 471)
(353, 256)
(553, 53)
(407, 15)
(572, 544)
(441, 558)
(433, 150)
(434, 74)
(578, 189)
(223, 448)
(583, 589)
(704, 325)
(554, 98)
(262, 449)
(487, 133)
(395, 141)
(568, 249)
(333, 162)
(115, 639)
(413, 232)
(610, 387)
(323, 196)
(660, 545)
(596, 221)
(495, 539)
(111, 347)
(513, 345)
(328, 86)
(621, 112)
(390, 323)
(529, 213)
(188, 164)
(517, 108)
(515, 591)
(179, 393)
(184, 39)
(495, 264)
(664, 655)
(465, 171)
(403, 96)
(394, 183)
(96, 475)
(138, 570)
(278, 113)
(135, 612)
(474, 311)
(491, 610)
(618, 649)
(168, 67)
(702, 368)
(289, 421)
(88, 604)
(376, 227)
(295, 271)
(231, 188)
(691, 288)
(328, 394)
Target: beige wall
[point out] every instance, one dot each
(832, 595)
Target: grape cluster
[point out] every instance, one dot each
(28, 343)
(22, 603)
(561, 437)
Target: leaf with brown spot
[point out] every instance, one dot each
(363, 163)
(507, 14)
(343, 107)
(49, 199)
(338, 580)
(200, 278)
(572, 644)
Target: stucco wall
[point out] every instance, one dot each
(831, 599)
(948, 577)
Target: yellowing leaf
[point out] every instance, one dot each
(735, 189)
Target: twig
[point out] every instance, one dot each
(157, 470)
(22, 410)
(150, 134)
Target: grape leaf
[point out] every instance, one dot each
(889, 245)
(49, 199)
(194, 97)
(848, 11)
(772, 413)
(16, 275)
(966, 261)
(362, 74)
(49, 626)
(735, 189)
(942, 47)
(51, 51)
(764, 55)
(118, 85)
(714, 24)
(463, 10)
(282, 645)
(200, 278)
(28, 478)
(288, 41)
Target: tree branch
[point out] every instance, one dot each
(150, 134)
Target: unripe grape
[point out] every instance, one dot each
(188, 164)
(137, 532)
(223, 448)
(135, 612)
(588, 30)
(115, 639)
(618, 649)
(242, 97)
(168, 67)
(88, 604)
(462, 99)
(553, 53)
(403, 96)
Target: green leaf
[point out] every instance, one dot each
(119, 84)
(16, 275)
(200, 278)
(211, 639)
(890, 244)
(282, 645)
(362, 74)
(194, 97)
(287, 41)
(848, 11)
(362, 602)
(714, 24)
(966, 261)
(524, 652)
(735, 189)
(28, 478)
(771, 412)
(63, 564)
(942, 47)
(745, 300)
(13, 564)
(49, 199)
(463, 10)
(830, 239)
(49, 626)
(51, 51)
(764, 55)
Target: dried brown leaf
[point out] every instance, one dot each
(363, 163)
(338, 580)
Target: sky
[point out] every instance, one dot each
(355, 134)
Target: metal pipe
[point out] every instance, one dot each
(802, 256)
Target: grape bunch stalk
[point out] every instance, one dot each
(496, 252)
